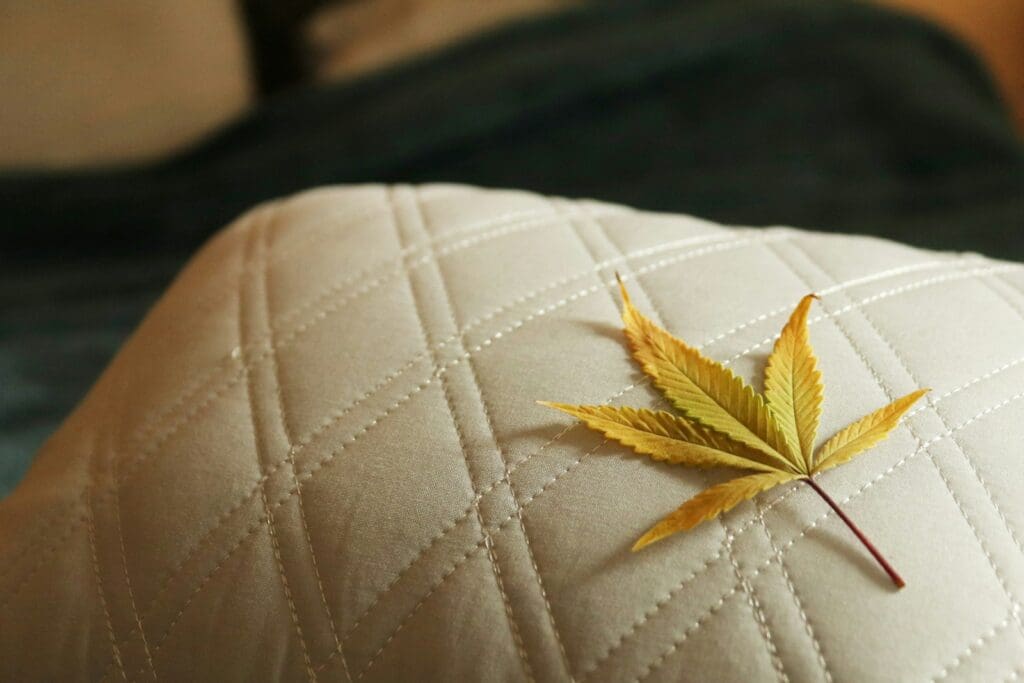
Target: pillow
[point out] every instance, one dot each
(320, 457)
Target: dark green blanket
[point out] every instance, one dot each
(828, 115)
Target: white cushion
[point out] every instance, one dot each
(320, 457)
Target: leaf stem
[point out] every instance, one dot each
(896, 578)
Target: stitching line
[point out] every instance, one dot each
(1014, 604)
(293, 245)
(488, 537)
(261, 445)
(854, 282)
(91, 527)
(664, 599)
(1015, 305)
(518, 301)
(757, 610)
(828, 512)
(62, 513)
(333, 306)
(512, 490)
(42, 558)
(568, 428)
(697, 572)
(972, 648)
(970, 463)
(463, 444)
(504, 523)
(804, 618)
(116, 502)
(433, 589)
(892, 272)
(283, 415)
(961, 275)
(369, 426)
(650, 668)
(197, 383)
(463, 517)
(506, 331)
(808, 629)
(247, 222)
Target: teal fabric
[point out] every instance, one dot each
(832, 115)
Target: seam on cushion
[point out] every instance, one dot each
(517, 637)
(469, 553)
(291, 246)
(999, 574)
(503, 333)
(808, 628)
(892, 272)
(369, 426)
(970, 463)
(650, 668)
(504, 462)
(148, 425)
(261, 445)
(259, 525)
(757, 610)
(286, 431)
(1015, 305)
(722, 244)
(972, 648)
(416, 608)
(187, 392)
(828, 512)
(970, 383)
(962, 275)
(97, 574)
(37, 542)
(842, 286)
(115, 495)
(478, 321)
(324, 305)
(667, 597)
(596, 268)
(465, 515)
(786, 494)
(540, 312)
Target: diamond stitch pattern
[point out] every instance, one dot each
(319, 458)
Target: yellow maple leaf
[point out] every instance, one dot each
(725, 423)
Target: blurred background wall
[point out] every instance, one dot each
(110, 81)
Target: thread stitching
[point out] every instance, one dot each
(664, 599)
(418, 388)
(972, 648)
(1014, 604)
(91, 527)
(828, 512)
(261, 445)
(757, 610)
(564, 431)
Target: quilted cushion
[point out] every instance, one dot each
(320, 458)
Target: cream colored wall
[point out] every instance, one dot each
(359, 35)
(108, 81)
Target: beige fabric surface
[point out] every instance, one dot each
(319, 457)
